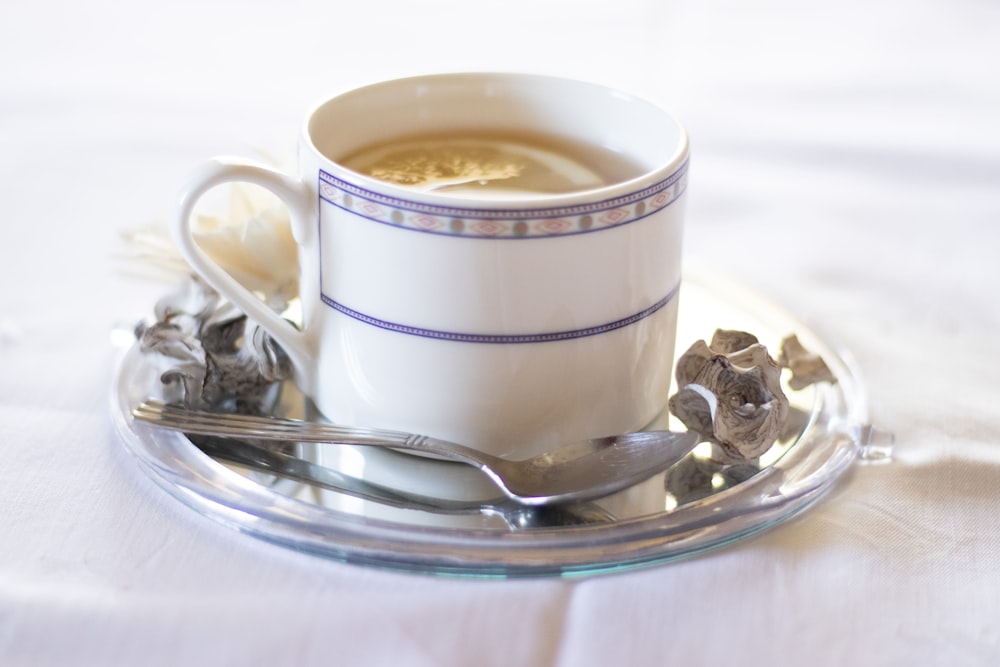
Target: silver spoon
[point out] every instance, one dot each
(581, 470)
(271, 461)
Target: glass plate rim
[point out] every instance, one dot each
(222, 494)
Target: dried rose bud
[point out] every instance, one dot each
(730, 392)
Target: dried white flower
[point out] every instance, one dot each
(252, 240)
(254, 244)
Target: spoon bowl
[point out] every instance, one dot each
(577, 471)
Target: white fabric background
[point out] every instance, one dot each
(846, 164)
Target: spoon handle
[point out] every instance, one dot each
(201, 422)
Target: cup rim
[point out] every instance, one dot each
(666, 171)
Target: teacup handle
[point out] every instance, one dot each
(294, 194)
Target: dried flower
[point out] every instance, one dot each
(254, 244)
(252, 240)
(216, 357)
(730, 392)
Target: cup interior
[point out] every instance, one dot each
(572, 110)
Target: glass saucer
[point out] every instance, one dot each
(430, 520)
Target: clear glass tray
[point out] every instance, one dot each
(429, 520)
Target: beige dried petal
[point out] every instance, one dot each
(691, 362)
(757, 356)
(807, 368)
(728, 341)
(694, 408)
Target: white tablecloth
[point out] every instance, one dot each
(846, 164)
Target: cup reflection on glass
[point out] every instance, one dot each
(492, 259)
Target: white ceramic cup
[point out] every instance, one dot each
(511, 325)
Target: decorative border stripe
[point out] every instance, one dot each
(472, 222)
(502, 339)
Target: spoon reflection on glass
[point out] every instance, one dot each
(288, 466)
(581, 470)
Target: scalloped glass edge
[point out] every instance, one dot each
(830, 442)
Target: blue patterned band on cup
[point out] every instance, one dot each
(521, 223)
